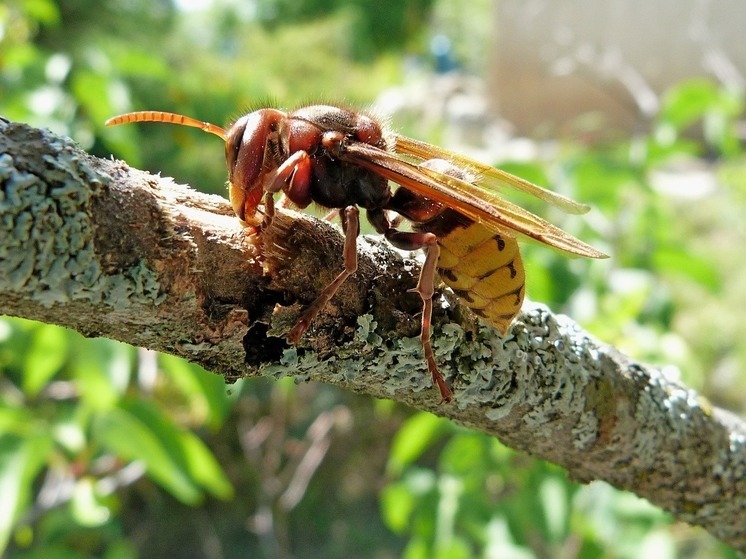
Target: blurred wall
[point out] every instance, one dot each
(558, 59)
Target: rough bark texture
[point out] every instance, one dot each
(111, 251)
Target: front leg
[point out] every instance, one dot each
(293, 178)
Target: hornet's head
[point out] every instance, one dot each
(247, 143)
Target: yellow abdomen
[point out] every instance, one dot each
(485, 270)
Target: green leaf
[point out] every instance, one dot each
(602, 178)
(45, 357)
(16, 420)
(87, 509)
(414, 437)
(532, 172)
(121, 549)
(397, 505)
(154, 442)
(53, 551)
(676, 260)
(132, 61)
(417, 548)
(703, 100)
(462, 452)
(554, 500)
(43, 11)
(688, 101)
(102, 370)
(21, 459)
(206, 393)
(204, 468)
(176, 458)
(91, 89)
(456, 548)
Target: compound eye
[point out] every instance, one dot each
(246, 151)
(233, 144)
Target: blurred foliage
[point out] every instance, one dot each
(377, 26)
(67, 406)
(103, 441)
(109, 451)
(508, 506)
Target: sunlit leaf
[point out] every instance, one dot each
(102, 371)
(678, 260)
(554, 498)
(500, 542)
(397, 504)
(43, 11)
(132, 61)
(602, 178)
(415, 436)
(21, 459)
(462, 452)
(456, 548)
(688, 101)
(702, 100)
(532, 172)
(91, 90)
(658, 544)
(86, 507)
(15, 419)
(44, 357)
(416, 548)
(184, 447)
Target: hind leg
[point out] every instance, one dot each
(425, 288)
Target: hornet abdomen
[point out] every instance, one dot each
(485, 270)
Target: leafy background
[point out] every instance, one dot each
(112, 451)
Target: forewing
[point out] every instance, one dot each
(490, 178)
(473, 202)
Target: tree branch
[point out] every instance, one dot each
(93, 245)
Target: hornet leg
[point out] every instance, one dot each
(351, 227)
(426, 288)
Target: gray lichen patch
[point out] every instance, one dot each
(535, 379)
(48, 251)
(537, 372)
(393, 368)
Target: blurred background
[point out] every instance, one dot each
(635, 107)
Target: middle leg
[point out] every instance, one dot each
(351, 226)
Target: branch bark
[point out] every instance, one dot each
(107, 250)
